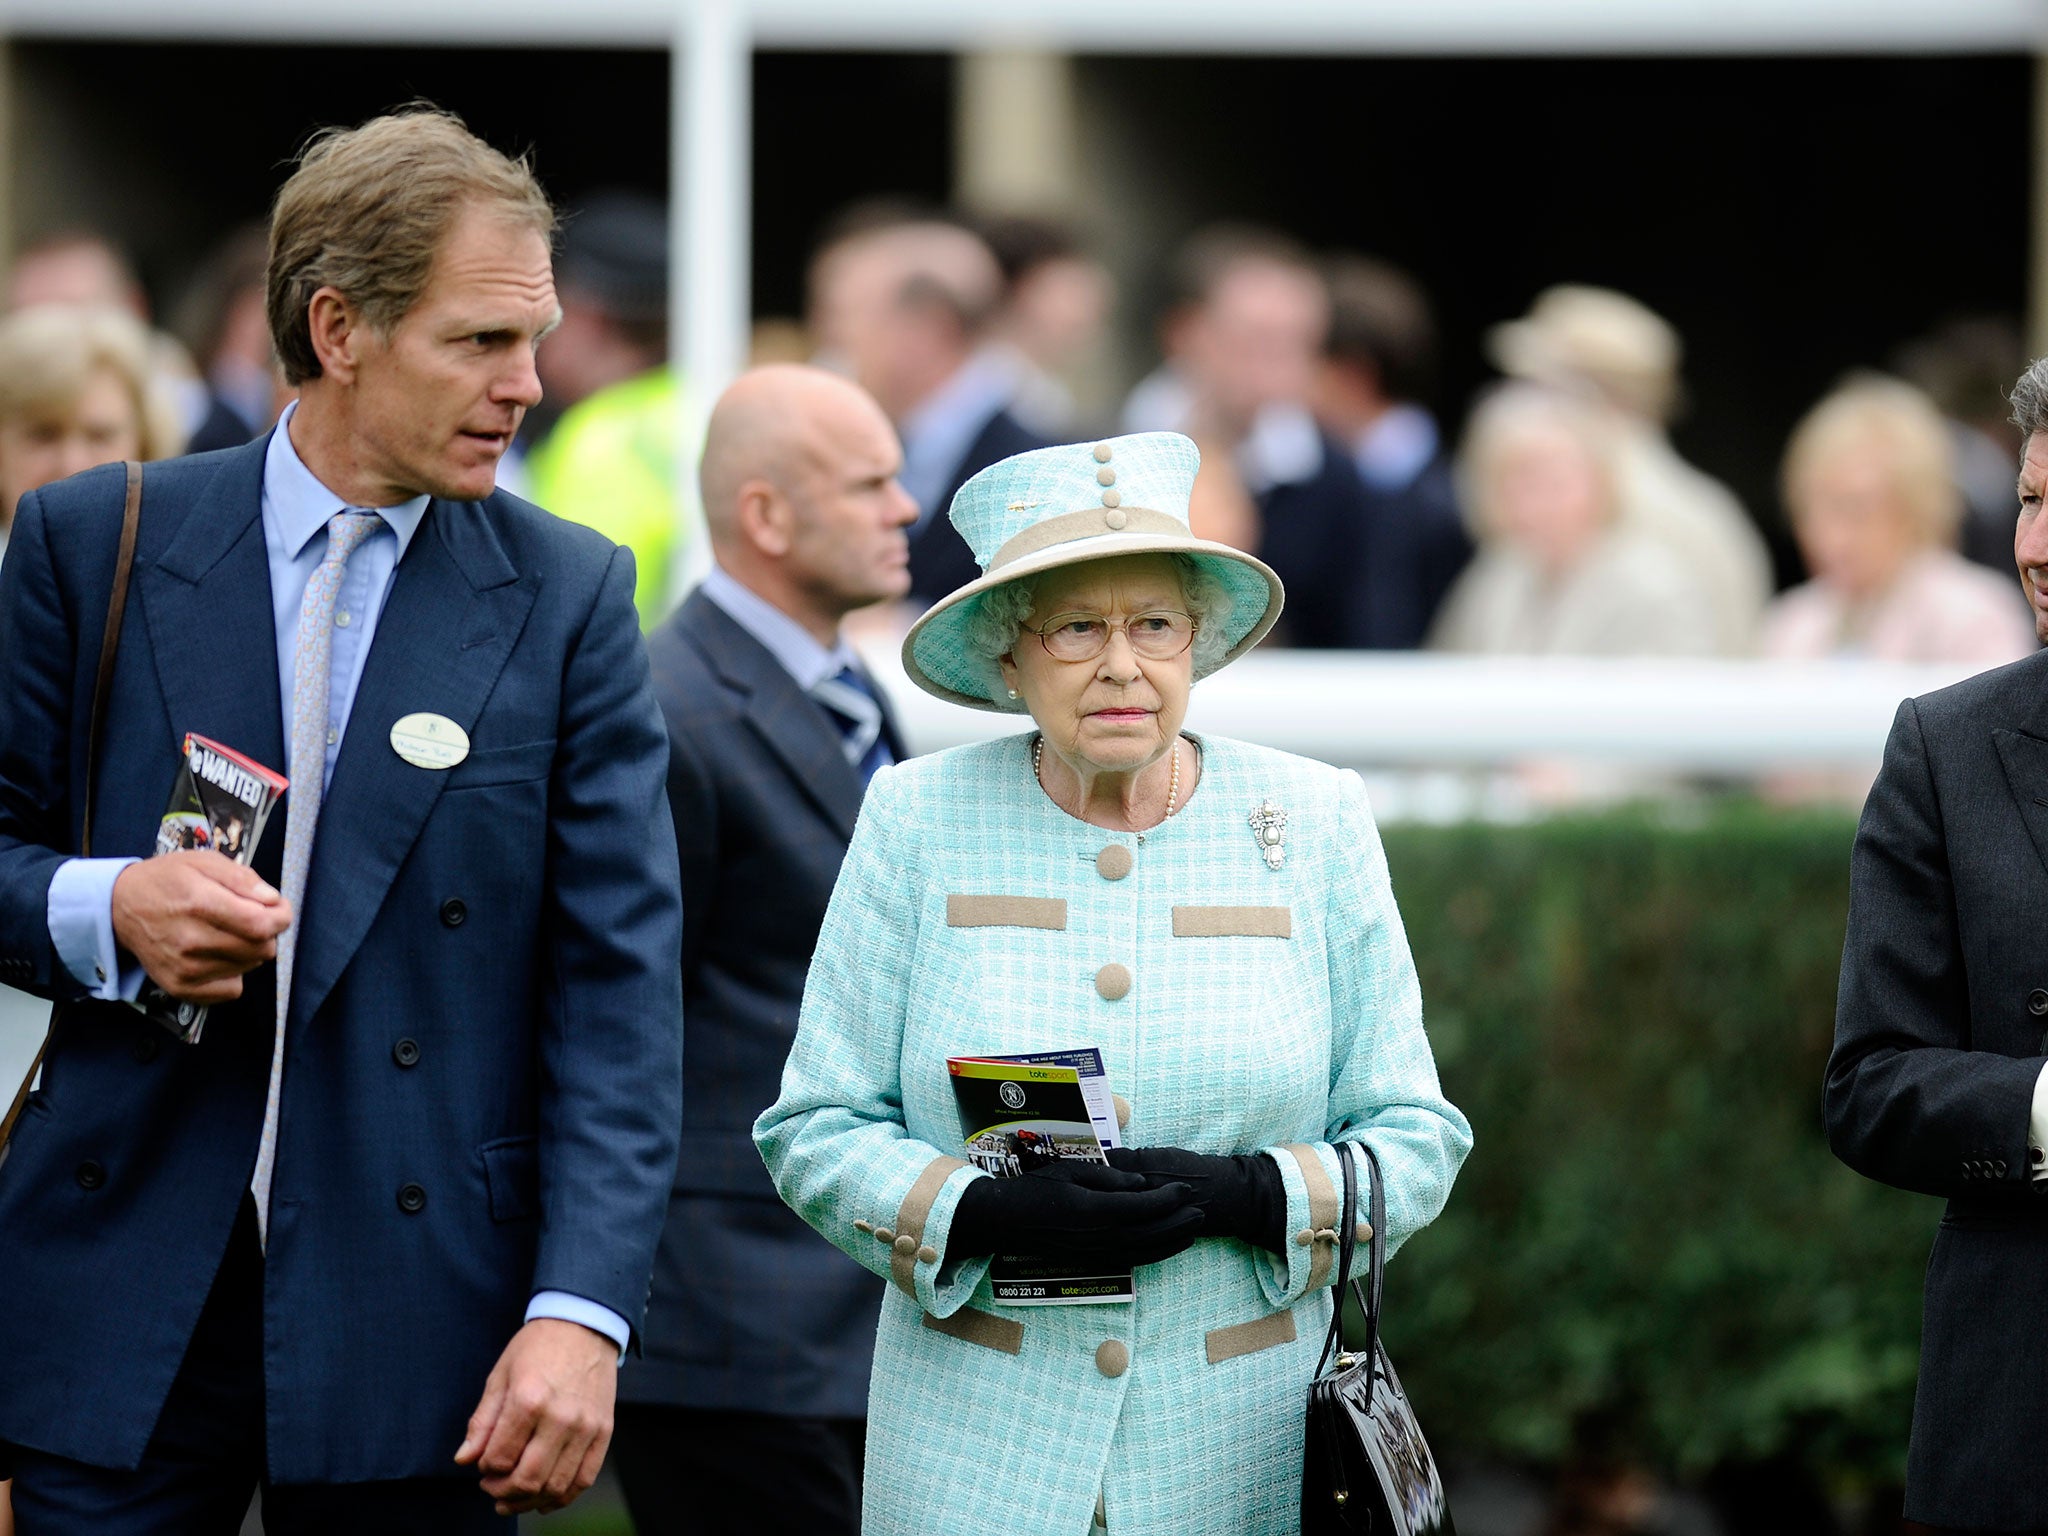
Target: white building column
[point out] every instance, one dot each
(711, 245)
(1015, 143)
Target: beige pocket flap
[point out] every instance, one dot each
(1003, 1334)
(1006, 912)
(1233, 922)
(1249, 1338)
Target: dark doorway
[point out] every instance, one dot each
(166, 147)
(1794, 218)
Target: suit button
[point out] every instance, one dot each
(406, 1053)
(90, 1174)
(146, 1045)
(2037, 1001)
(454, 913)
(1998, 1168)
(1113, 981)
(411, 1199)
(1112, 1358)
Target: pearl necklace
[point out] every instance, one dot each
(1172, 782)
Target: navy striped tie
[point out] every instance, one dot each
(851, 703)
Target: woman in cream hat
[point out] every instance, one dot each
(1215, 918)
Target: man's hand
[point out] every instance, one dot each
(545, 1421)
(198, 922)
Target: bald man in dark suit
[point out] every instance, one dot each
(753, 1392)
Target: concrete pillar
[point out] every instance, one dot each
(1015, 141)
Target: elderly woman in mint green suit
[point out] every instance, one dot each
(1216, 917)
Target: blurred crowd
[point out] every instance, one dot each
(1559, 520)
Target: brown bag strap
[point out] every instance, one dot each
(110, 640)
(117, 607)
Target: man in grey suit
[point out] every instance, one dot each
(749, 1409)
(1939, 1077)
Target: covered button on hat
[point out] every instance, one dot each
(1063, 506)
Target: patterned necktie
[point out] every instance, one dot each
(311, 686)
(851, 704)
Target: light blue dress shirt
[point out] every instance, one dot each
(937, 434)
(296, 510)
(1396, 448)
(802, 657)
(786, 640)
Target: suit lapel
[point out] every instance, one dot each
(206, 602)
(789, 723)
(456, 610)
(2025, 760)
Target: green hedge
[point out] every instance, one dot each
(1651, 1233)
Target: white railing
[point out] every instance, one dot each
(1439, 738)
(1720, 718)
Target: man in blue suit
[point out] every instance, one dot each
(749, 1410)
(386, 1229)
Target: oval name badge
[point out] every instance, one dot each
(430, 741)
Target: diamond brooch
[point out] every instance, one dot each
(1269, 830)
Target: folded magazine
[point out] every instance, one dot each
(220, 801)
(1022, 1112)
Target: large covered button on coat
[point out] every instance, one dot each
(1113, 981)
(1112, 1358)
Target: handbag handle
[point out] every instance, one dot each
(1347, 1248)
(110, 640)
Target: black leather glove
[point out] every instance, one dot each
(1241, 1196)
(1072, 1209)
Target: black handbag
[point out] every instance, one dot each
(1367, 1471)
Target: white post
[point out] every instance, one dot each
(710, 164)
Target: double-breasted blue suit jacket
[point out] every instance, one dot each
(483, 1066)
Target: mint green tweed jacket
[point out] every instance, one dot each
(1239, 1007)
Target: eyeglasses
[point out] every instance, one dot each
(1156, 636)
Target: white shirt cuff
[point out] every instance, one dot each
(80, 913)
(2037, 1129)
(576, 1309)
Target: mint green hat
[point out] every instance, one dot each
(1063, 506)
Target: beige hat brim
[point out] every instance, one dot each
(938, 659)
(1526, 349)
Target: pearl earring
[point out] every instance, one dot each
(1013, 693)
